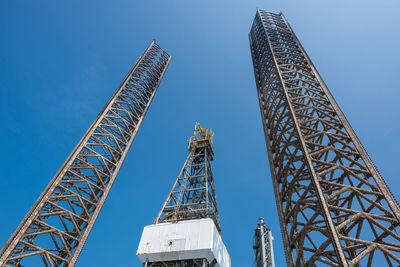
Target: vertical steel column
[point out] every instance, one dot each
(263, 245)
(334, 207)
(56, 228)
(270, 247)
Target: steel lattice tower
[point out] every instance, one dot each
(334, 207)
(191, 199)
(56, 228)
(193, 194)
(263, 245)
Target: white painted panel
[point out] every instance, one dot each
(191, 239)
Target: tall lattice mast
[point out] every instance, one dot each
(193, 194)
(56, 228)
(187, 230)
(334, 207)
(263, 245)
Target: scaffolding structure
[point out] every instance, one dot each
(334, 207)
(56, 228)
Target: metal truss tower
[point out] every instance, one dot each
(263, 245)
(56, 228)
(334, 207)
(188, 223)
(193, 194)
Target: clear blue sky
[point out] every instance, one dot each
(60, 61)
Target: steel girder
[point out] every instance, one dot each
(263, 245)
(56, 228)
(334, 207)
(193, 193)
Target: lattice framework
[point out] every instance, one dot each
(334, 207)
(193, 194)
(56, 228)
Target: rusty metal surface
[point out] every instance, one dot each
(334, 207)
(56, 228)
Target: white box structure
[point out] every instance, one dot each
(183, 240)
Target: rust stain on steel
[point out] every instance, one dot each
(334, 207)
(56, 228)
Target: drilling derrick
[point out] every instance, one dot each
(187, 230)
(56, 228)
(263, 245)
(334, 207)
